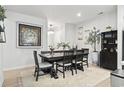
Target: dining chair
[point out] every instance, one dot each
(78, 63)
(66, 62)
(40, 67)
(85, 57)
(85, 60)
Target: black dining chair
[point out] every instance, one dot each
(85, 57)
(40, 67)
(66, 62)
(85, 60)
(78, 62)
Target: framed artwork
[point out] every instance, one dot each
(80, 33)
(86, 36)
(29, 36)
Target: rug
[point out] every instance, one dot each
(91, 77)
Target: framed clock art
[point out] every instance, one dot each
(28, 35)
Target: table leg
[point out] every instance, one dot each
(54, 74)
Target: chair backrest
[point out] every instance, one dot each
(79, 57)
(85, 50)
(68, 57)
(36, 59)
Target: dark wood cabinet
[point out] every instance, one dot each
(108, 53)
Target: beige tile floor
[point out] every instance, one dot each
(13, 78)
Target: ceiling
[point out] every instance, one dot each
(62, 13)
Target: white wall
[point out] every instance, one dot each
(14, 57)
(100, 22)
(64, 32)
(1, 65)
(70, 33)
(58, 35)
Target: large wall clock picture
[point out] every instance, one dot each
(29, 36)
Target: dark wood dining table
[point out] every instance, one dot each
(57, 57)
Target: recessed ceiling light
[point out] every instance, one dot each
(78, 14)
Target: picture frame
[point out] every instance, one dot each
(28, 35)
(80, 33)
(86, 36)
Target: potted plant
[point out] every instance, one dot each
(2, 27)
(63, 45)
(93, 40)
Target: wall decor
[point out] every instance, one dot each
(29, 36)
(86, 32)
(80, 33)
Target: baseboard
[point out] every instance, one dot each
(19, 67)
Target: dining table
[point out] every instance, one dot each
(58, 57)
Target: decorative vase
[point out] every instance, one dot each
(51, 49)
(108, 28)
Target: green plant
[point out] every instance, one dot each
(2, 13)
(63, 44)
(94, 38)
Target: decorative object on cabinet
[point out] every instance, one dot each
(108, 28)
(29, 35)
(108, 54)
(2, 27)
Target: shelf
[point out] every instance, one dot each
(109, 38)
(109, 44)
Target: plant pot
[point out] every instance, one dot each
(94, 56)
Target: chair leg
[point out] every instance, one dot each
(72, 70)
(76, 68)
(63, 72)
(37, 75)
(51, 72)
(35, 72)
(87, 64)
(66, 68)
(56, 68)
(82, 68)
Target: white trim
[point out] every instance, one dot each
(28, 47)
(119, 39)
(19, 67)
